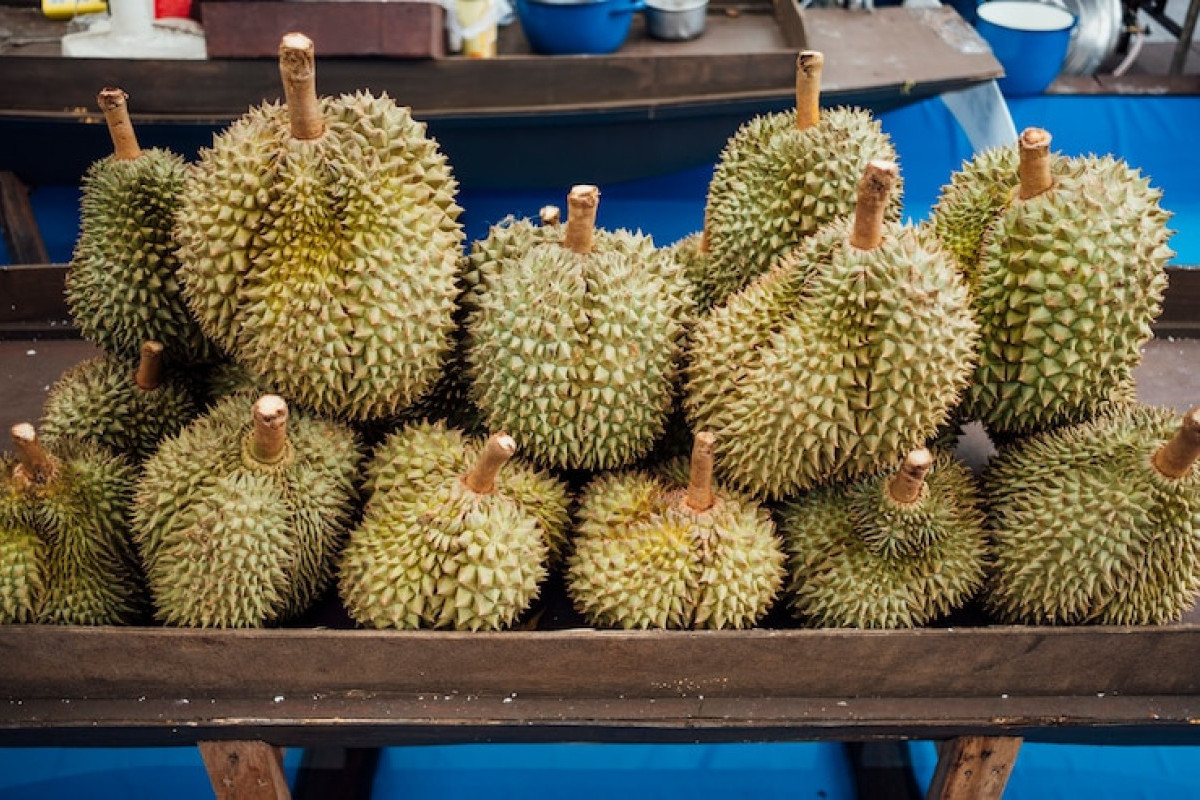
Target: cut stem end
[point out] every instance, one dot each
(582, 202)
(1035, 163)
(269, 442)
(37, 465)
(149, 373)
(550, 215)
(1175, 458)
(871, 206)
(700, 495)
(496, 453)
(298, 69)
(809, 65)
(116, 113)
(904, 488)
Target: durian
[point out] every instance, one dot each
(65, 553)
(1064, 257)
(449, 539)
(652, 552)
(320, 243)
(111, 402)
(239, 518)
(851, 352)
(1098, 522)
(572, 348)
(783, 176)
(894, 550)
(122, 285)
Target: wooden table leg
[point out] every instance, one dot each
(973, 768)
(245, 770)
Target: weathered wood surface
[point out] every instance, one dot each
(245, 770)
(973, 768)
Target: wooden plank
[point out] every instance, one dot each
(22, 236)
(245, 770)
(974, 768)
(790, 18)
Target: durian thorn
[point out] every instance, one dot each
(872, 203)
(112, 102)
(704, 244)
(904, 488)
(1175, 458)
(582, 202)
(700, 495)
(550, 215)
(808, 88)
(150, 367)
(482, 477)
(37, 465)
(1035, 165)
(298, 69)
(269, 441)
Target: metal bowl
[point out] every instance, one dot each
(675, 20)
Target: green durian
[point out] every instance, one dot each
(240, 517)
(850, 353)
(654, 551)
(122, 285)
(573, 348)
(783, 176)
(65, 552)
(125, 407)
(320, 242)
(1065, 259)
(894, 550)
(1098, 522)
(449, 539)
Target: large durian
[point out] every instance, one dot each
(780, 178)
(239, 518)
(65, 552)
(851, 352)
(128, 409)
(1098, 522)
(894, 550)
(1065, 258)
(652, 552)
(320, 243)
(122, 283)
(572, 348)
(449, 539)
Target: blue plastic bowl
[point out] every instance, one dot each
(570, 26)
(1029, 40)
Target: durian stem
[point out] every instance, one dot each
(120, 128)
(37, 465)
(871, 205)
(582, 201)
(498, 450)
(298, 68)
(704, 245)
(150, 368)
(1035, 163)
(808, 88)
(270, 429)
(550, 215)
(904, 488)
(1175, 458)
(700, 480)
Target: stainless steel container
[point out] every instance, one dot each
(675, 20)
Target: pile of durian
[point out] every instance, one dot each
(312, 392)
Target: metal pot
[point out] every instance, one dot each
(675, 20)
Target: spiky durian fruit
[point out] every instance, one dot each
(572, 348)
(320, 243)
(449, 540)
(111, 402)
(781, 177)
(122, 286)
(65, 553)
(1098, 522)
(1065, 261)
(652, 552)
(239, 518)
(894, 550)
(849, 354)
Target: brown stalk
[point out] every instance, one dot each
(37, 465)
(149, 373)
(496, 453)
(1175, 458)
(582, 202)
(298, 68)
(1035, 163)
(871, 205)
(120, 128)
(700, 495)
(809, 65)
(905, 486)
(269, 441)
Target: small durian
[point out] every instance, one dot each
(448, 539)
(122, 286)
(108, 401)
(65, 551)
(657, 552)
(240, 517)
(895, 550)
(781, 177)
(852, 351)
(1065, 260)
(573, 347)
(1098, 522)
(320, 244)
